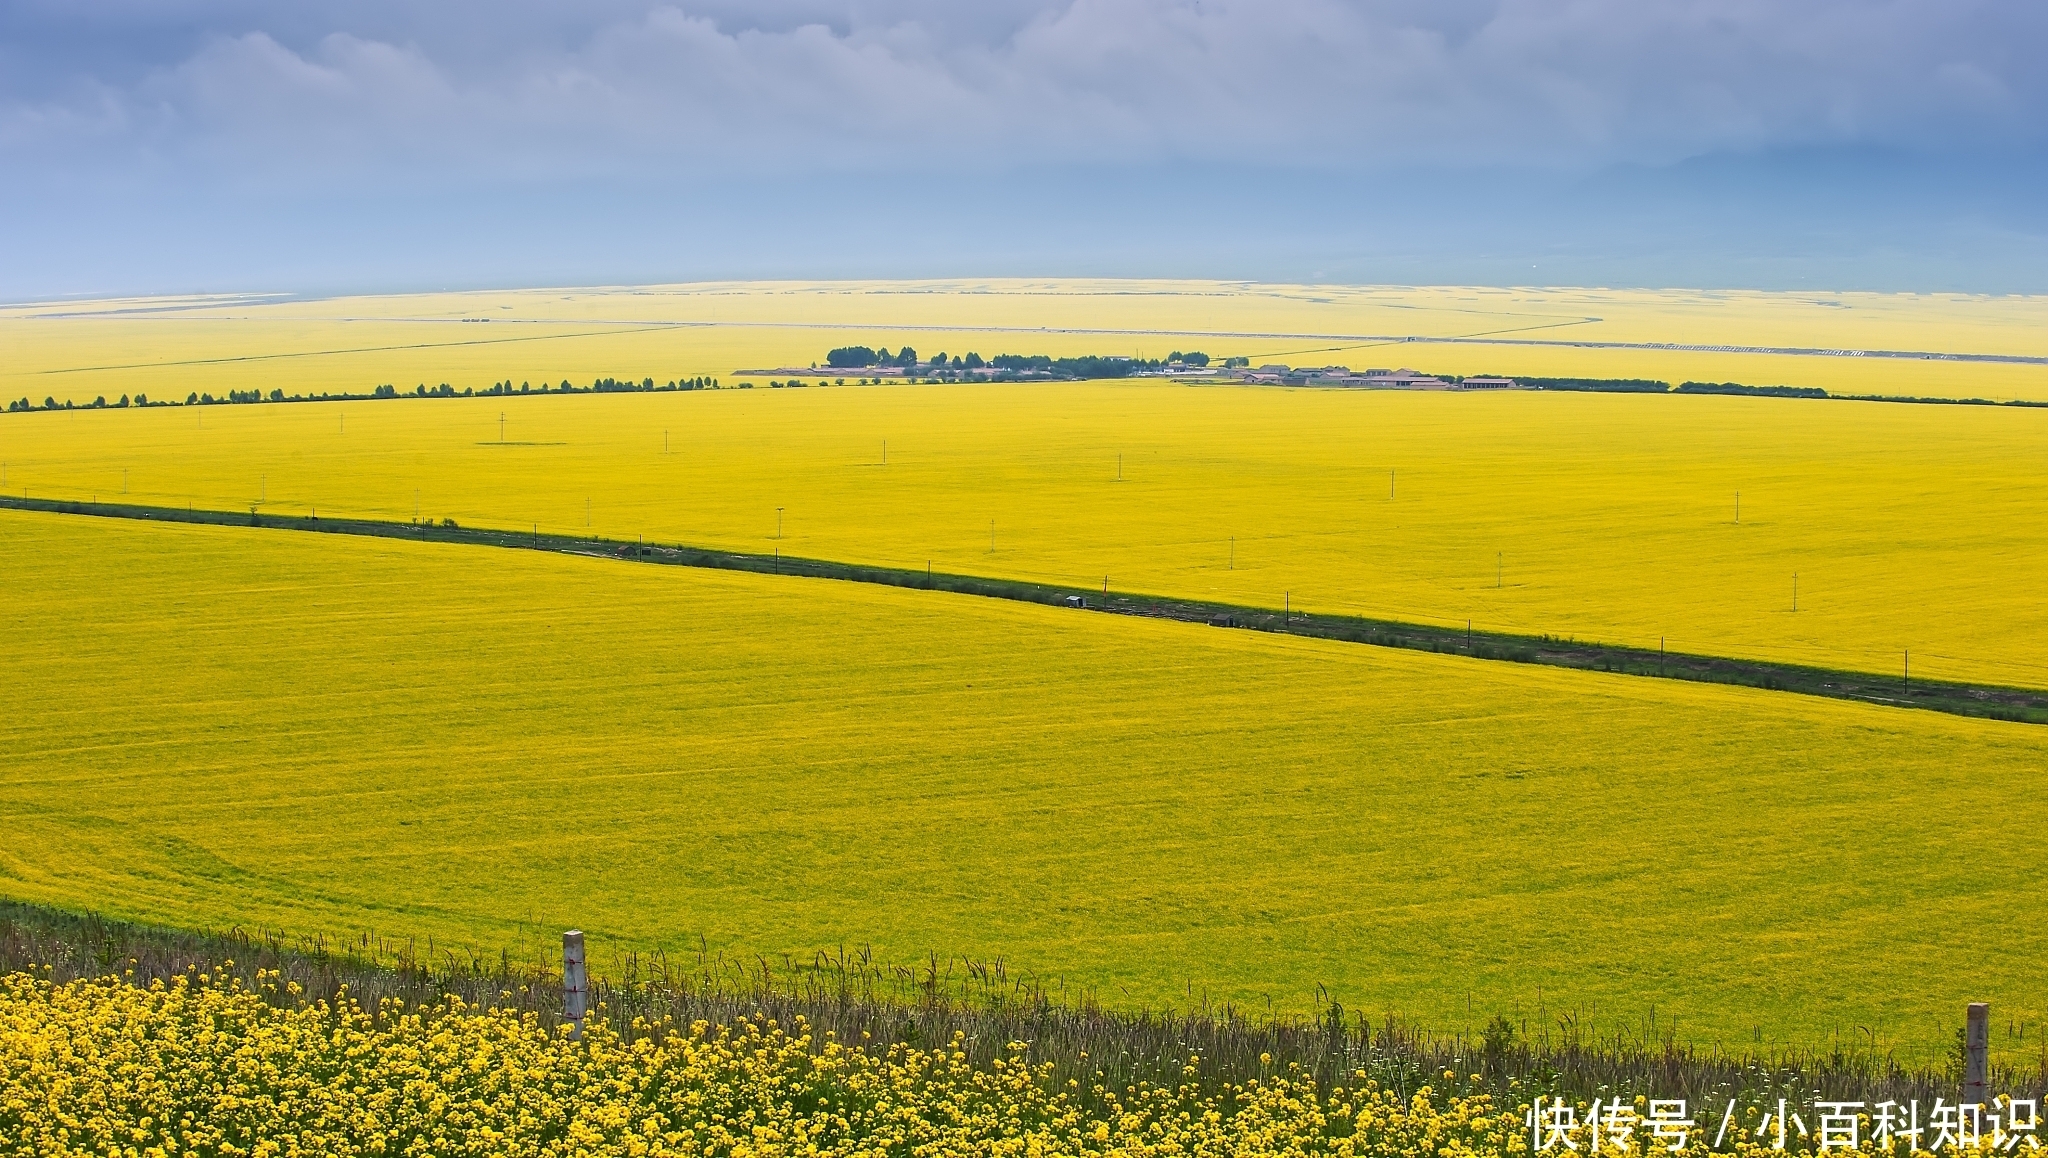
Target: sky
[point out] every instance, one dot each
(164, 146)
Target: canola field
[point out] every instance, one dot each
(110, 1069)
(215, 726)
(169, 347)
(1896, 529)
(208, 1066)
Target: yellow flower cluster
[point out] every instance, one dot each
(208, 1066)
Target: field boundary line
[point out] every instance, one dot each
(1984, 701)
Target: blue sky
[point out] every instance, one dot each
(174, 145)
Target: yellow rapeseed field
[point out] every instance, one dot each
(168, 347)
(200, 1066)
(1614, 518)
(214, 726)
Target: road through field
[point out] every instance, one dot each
(211, 726)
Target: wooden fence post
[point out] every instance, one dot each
(575, 983)
(1976, 1060)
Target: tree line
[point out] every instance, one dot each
(444, 390)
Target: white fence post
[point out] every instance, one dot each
(575, 983)
(1976, 1067)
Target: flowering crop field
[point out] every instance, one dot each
(167, 347)
(1611, 518)
(230, 726)
(204, 1065)
(201, 1067)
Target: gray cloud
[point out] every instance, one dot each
(490, 91)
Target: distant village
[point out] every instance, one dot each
(867, 365)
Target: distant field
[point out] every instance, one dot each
(168, 347)
(210, 726)
(1606, 518)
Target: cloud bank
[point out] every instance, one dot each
(493, 102)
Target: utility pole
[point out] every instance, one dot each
(1738, 508)
(991, 536)
(778, 525)
(1497, 557)
(501, 426)
(1795, 590)
(1390, 486)
(1233, 552)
